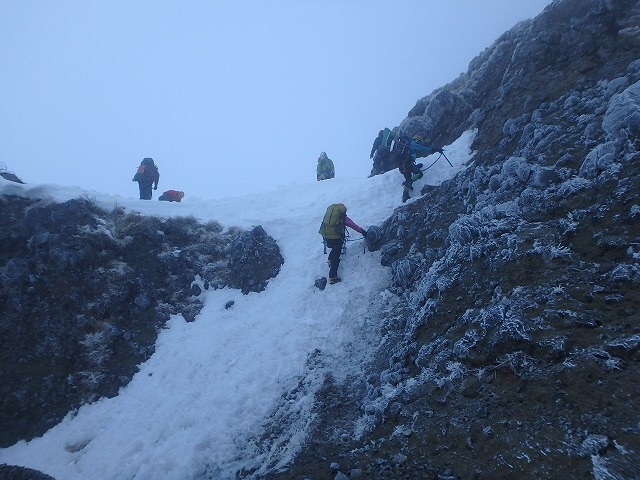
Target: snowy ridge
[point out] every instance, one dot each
(197, 406)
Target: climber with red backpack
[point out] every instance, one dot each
(147, 176)
(333, 231)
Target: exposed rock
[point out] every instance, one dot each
(255, 258)
(9, 472)
(12, 177)
(84, 293)
(321, 283)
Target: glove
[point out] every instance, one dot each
(364, 234)
(156, 187)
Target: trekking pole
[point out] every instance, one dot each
(446, 158)
(427, 168)
(441, 155)
(343, 250)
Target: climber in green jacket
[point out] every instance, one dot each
(325, 169)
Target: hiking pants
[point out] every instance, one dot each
(335, 244)
(411, 173)
(145, 190)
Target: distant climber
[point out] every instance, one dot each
(147, 176)
(325, 169)
(171, 196)
(333, 231)
(404, 154)
(380, 152)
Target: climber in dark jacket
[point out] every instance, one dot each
(147, 176)
(380, 151)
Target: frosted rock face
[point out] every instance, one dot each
(599, 159)
(622, 119)
(255, 259)
(621, 122)
(130, 273)
(544, 177)
(521, 301)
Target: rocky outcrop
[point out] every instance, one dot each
(254, 259)
(571, 47)
(12, 177)
(512, 349)
(84, 292)
(8, 472)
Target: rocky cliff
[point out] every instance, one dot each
(512, 349)
(84, 293)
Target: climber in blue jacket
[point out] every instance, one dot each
(408, 166)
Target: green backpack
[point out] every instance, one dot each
(332, 226)
(387, 138)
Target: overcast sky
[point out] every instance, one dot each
(228, 97)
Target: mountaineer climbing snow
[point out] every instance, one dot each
(325, 168)
(380, 151)
(333, 231)
(147, 177)
(404, 154)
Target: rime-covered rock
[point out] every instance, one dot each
(254, 259)
(84, 292)
(516, 283)
(10, 472)
(12, 177)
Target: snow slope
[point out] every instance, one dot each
(212, 384)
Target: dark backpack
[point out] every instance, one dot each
(332, 226)
(147, 170)
(401, 146)
(153, 173)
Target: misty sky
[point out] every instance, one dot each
(228, 97)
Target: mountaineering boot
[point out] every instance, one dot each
(405, 196)
(333, 280)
